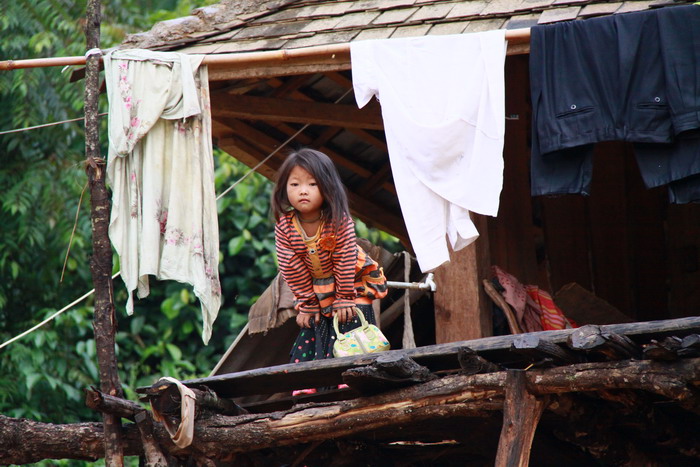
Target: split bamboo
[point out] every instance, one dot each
(515, 37)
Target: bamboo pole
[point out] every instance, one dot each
(516, 37)
(104, 321)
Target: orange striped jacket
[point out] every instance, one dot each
(327, 271)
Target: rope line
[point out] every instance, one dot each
(67, 307)
(19, 130)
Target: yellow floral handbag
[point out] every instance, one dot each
(367, 338)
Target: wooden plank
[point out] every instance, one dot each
(565, 226)
(683, 243)
(613, 346)
(584, 307)
(249, 155)
(328, 372)
(649, 264)
(344, 83)
(521, 414)
(296, 111)
(377, 180)
(538, 349)
(462, 309)
(512, 234)
(611, 228)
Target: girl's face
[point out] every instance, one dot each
(303, 193)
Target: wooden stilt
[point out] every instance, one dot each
(521, 413)
(104, 321)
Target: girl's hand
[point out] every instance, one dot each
(304, 319)
(345, 315)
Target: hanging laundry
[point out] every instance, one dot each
(443, 106)
(161, 170)
(533, 307)
(623, 77)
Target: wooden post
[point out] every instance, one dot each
(104, 321)
(521, 413)
(462, 309)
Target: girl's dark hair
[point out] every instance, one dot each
(320, 166)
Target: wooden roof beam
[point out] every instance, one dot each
(289, 87)
(345, 84)
(376, 181)
(250, 156)
(295, 111)
(229, 128)
(268, 143)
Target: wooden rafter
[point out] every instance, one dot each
(376, 181)
(229, 127)
(295, 111)
(344, 84)
(289, 87)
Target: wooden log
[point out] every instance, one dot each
(286, 110)
(386, 373)
(671, 380)
(692, 340)
(472, 364)
(665, 350)
(105, 320)
(690, 346)
(154, 455)
(521, 414)
(592, 339)
(221, 437)
(503, 305)
(25, 441)
(101, 402)
(540, 350)
(167, 396)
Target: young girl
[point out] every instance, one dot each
(318, 256)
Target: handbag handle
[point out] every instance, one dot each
(340, 336)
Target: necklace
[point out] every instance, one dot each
(310, 221)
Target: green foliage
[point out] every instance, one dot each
(42, 376)
(41, 180)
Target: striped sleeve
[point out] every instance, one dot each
(344, 260)
(293, 269)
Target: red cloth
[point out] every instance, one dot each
(534, 308)
(551, 315)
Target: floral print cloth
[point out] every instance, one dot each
(161, 170)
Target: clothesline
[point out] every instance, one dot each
(44, 125)
(334, 52)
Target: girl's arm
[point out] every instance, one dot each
(296, 274)
(344, 261)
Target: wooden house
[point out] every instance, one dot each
(624, 393)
